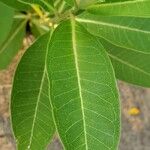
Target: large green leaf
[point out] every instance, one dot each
(16, 4)
(138, 8)
(12, 43)
(83, 90)
(31, 110)
(130, 66)
(127, 32)
(6, 20)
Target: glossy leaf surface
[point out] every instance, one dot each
(83, 90)
(31, 110)
(12, 43)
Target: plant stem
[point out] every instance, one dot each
(50, 7)
(76, 4)
(37, 10)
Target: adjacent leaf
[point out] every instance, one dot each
(39, 1)
(16, 4)
(130, 66)
(31, 110)
(46, 4)
(82, 3)
(12, 43)
(112, 1)
(83, 90)
(138, 8)
(127, 32)
(71, 2)
(85, 3)
(61, 6)
(6, 15)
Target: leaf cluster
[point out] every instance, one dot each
(65, 82)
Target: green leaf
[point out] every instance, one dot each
(112, 1)
(6, 15)
(85, 3)
(46, 4)
(61, 6)
(31, 110)
(82, 3)
(12, 43)
(130, 66)
(16, 4)
(71, 2)
(127, 32)
(83, 90)
(138, 8)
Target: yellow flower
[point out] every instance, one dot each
(134, 111)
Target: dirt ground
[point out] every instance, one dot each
(135, 106)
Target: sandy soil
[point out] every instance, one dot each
(135, 104)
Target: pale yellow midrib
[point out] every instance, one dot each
(39, 95)
(120, 3)
(128, 64)
(36, 109)
(78, 77)
(111, 25)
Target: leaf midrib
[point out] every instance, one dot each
(130, 65)
(36, 110)
(111, 25)
(119, 3)
(123, 46)
(39, 95)
(78, 77)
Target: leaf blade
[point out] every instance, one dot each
(70, 2)
(121, 31)
(31, 112)
(86, 3)
(16, 4)
(82, 3)
(75, 89)
(126, 66)
(12, 43)
(138, 8)
(6, 15)
(46, 4)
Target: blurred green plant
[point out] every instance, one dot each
(65, 82)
